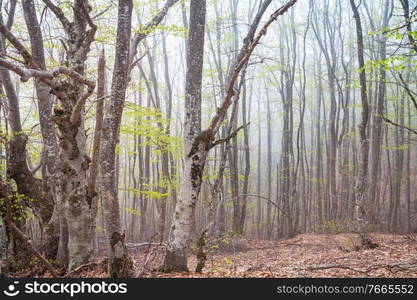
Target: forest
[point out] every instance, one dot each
(208, 138)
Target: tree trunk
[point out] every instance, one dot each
(195, 149)
(361, 183)
(120, 264)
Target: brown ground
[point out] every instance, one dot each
(302, 256)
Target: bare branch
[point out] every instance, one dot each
(399, 125)
(262, 198)
(144, 32)
(228, 138)
(242, 60)
(147, 257)
(80, 268)
(409, 92)
(12, 9)
(24, 73)
(32, 249)
(76, 111)
(48, 76)
(59, 14)
(87, 16)
(74, 75)
(19, 47)
(103, 11)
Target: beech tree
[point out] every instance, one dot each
(197, 142)
(120, 264)
(360, 209)
(71, 87)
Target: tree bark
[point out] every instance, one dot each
(120, 263)
(197, 142)
(361, 183)
(195, 150)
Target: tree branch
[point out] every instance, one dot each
(335, 267)
(399, 125)
(228, 138)
(262, 198)
(30, 62)
(144, 32)
(74, 75)
(409, 92)
(76, 111)
(242, 59)
(25, 239)
(59, 14)
(11, 13)
(103, 11)
(48, 76)
(87, 16)
(24, 73)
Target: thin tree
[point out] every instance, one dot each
(361, 182)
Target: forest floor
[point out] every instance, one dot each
(305, 255)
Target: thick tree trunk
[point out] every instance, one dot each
(67, 83)
(196, 145)
(184, 211)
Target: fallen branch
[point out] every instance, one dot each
(134, 245)
(25, 239)
(79, 268)
(147, 257)
(336, 267)
(406, 265)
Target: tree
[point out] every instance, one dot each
(72, 90)
(50, 171)
(120, 264)
(361, 183)
(197, 142)
(195, 154)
